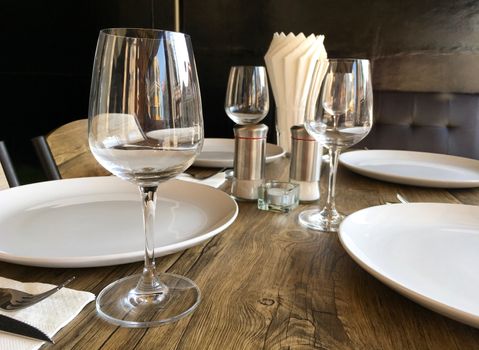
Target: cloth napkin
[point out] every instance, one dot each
(49, 315)
(215, 181)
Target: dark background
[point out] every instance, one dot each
(48, 47)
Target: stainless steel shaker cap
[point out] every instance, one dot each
(298, 132)
(258, 131)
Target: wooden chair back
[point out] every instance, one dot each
(3, 180)
(8, 176)
(65, 153)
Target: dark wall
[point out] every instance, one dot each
(48, 48)
(47, 56)
(396, 33)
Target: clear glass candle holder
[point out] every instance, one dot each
(278, 196)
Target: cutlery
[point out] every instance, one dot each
(401, 199)
(14, 326)
(229, 173)
(199, 176)
(12, 299)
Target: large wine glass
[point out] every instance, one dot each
(247, 94)
(145, 126)
(338, 115)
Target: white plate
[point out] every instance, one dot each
(414, 168)
(97, 221)
(219, 153)
(427, 252)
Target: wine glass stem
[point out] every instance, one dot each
(149, 282)
(333, 167)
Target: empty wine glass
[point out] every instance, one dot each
(338, 115)
(145, 126)
(247, 94)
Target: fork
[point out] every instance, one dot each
(204, 177)
(402, 199)
(12, 299)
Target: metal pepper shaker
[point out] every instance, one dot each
(305, 166)
(249, 160)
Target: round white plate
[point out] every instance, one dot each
(97, 221)
(414, 168)
(427, 252)
(219, 153)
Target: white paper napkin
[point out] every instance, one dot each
(290, 61)
(215, 181)
(50, 315)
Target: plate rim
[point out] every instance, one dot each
(408, 180)
(219, 163)
(446, 310)
(117, 258)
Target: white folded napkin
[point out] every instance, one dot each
(49, 315)
(215, 181)
(291, 61)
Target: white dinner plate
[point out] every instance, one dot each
(414, 168)
(97, 221)
(219, 153)
(427, 252)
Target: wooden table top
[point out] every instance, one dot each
(268, 283)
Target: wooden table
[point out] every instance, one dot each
(268, 283)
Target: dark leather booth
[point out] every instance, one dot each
(420, 105)
(425, 121)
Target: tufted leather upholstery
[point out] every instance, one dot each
(424, 121)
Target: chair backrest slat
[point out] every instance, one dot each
(8, 173)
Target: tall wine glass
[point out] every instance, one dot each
(247, 94)
(145, 126)
(338, 115)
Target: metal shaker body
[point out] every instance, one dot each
(305, 155)
(305, 166)
(249, 160)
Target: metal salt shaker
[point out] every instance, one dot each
(249, 160)
(305, 166)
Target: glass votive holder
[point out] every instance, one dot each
(278, 196)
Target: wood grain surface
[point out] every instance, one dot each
(268, 283)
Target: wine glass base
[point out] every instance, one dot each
(324, 220)
(115, 303)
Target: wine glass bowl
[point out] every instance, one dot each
(145, 126)
(247, 95)
(338, 93)
(338, 115)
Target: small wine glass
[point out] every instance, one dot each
(247, 94)
(338, 115)
(145, 126)
(247, 103)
